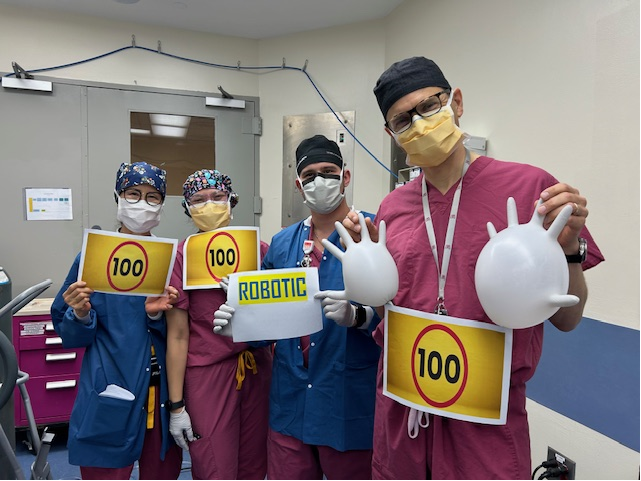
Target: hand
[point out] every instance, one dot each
(153, 305)
(222, 319)
(342, 312)
(353, 226)
(554, 199)
(77, 297)
(180, 428)
(224, 284)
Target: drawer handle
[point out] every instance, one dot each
(53, 341)
(49, 326)
(67, 356)
(60, 384)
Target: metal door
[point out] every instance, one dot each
(108, 146)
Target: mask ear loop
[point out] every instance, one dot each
(186, 207)
(449, 100)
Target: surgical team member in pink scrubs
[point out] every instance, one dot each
(222, 418)
(458, 192)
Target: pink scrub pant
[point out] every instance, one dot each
(232, 424)
(290, 458)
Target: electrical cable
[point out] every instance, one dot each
(214, 65)
(549, 463)
(535, 471)
(554, 472)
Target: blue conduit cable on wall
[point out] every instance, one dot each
(215, 65)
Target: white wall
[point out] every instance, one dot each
(596, 456)
(37, 39)
(553, 83)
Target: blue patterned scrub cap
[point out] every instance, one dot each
(140, 173)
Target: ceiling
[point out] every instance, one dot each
(253, 19)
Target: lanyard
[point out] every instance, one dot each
(449, 236)
(308, 248)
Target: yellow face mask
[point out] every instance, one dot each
(429, 141)
(210, 215)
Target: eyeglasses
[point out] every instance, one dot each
(197, 198)
(425, 108)
(133, 196)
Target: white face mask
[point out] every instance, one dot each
(140, 217)
(323, 195)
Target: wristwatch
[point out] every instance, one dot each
(177, 405)
(581, 255)
(361, 316)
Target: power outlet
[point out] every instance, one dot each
(554, 455)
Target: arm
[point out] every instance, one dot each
(567, 318)
(554, 199)
(177, 346)
(71, 312)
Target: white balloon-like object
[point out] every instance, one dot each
(522, 275)
(369, 271)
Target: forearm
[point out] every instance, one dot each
(177, 347)
(567, 318)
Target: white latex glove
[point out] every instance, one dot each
(341, 312)
(180, 428)
(222, 319)
(224, 284)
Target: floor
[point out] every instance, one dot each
(58, 459)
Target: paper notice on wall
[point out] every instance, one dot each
(48, 204)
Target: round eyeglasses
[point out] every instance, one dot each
(217, 196)
(133, 196)
(425, 108)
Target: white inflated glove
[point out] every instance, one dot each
(341, 312)
(222, 320)
(180, 428)
(224, 284)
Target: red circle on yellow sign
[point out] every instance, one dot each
(224, 270)
(121, 270)
(452, 335)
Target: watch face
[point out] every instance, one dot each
(583, 248)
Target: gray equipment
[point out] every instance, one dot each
(12, 376)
